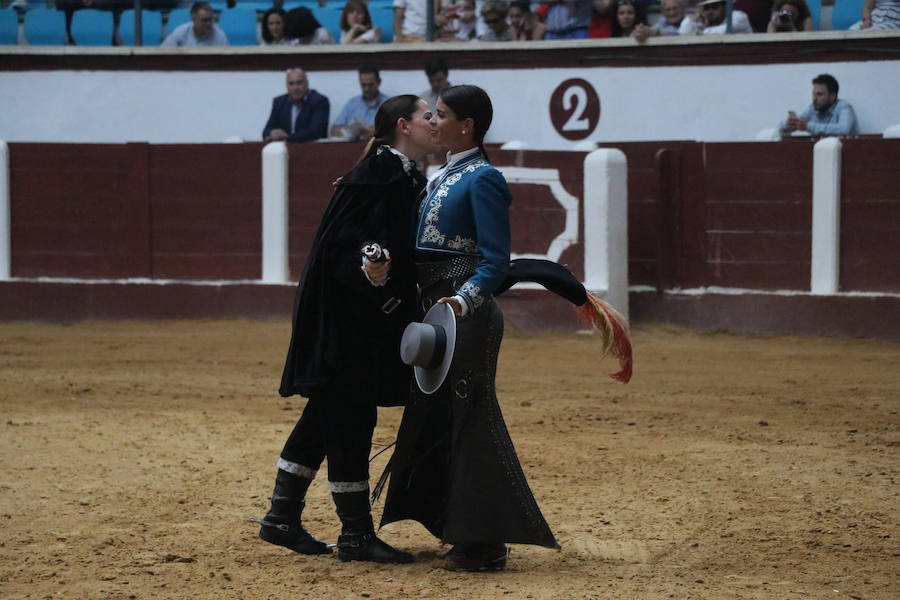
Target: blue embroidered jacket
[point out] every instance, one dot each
(467, 213)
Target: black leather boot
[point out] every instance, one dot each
(282, 525)
(358, 540)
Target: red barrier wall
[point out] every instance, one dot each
(726, 214)
(870, 215)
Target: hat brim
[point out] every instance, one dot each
(429, 380)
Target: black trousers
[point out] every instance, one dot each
(338, 426)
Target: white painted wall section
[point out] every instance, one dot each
(826, 217)
(606, 226)
(275, 268)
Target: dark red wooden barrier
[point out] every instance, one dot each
(870, 215)
(724, 214)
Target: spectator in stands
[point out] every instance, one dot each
(356, 24)
(494, 14)
(568, 19)
(525, 24)
(303, 27)
(410, 20)
(357, 119)
(455, 22)
(711, 20)
(201, 31)
(628, 16)
(826, 115)
(758, 12)
(300, 115)
(879, 14)
(273, 28)
(790, 15)
(668, 24)
(437, 72)
(603, 15)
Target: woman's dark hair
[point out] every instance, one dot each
(470, 101)
(266, 34)
(640, 17)
(800, 15)
(353, 4)
(300, 23)
(393, 109)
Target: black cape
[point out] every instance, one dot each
(342, 337)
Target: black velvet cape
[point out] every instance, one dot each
(342, 338)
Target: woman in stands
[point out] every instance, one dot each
(344, 351)
(628, 16)
(356, 24)
(273, 28)
(790, 15)
(455, 469)
(304, 29)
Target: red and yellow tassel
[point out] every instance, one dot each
(613, 329)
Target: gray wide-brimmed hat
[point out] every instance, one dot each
(428, 347)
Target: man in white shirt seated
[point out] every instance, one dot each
(201, 31)
(712, 20)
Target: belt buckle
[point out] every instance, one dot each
(389, 306)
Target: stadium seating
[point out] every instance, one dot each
(239, 24)
(845, 13)
(329, 17)
(91, 27)
(382, 13)
(9, 26)
(46, 27)
(151, 28)
(177, 17)
(815, 11)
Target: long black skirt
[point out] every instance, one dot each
(454, 468)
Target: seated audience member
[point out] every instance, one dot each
(356, 24)
(672, 14)
(494, 14)
(410, 20)
(758, 12)
(790, 15)
(455, 22)
(879, 14)
(201, 31)
(437, 72)
(826, 115)
(711, 20)
(298, 116)
(304, 29)
(568, 19)
(273, 28)
(357, 119)
(524, 24)
(603, 15)
(628, 16)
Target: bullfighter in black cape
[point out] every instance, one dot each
(346, 330)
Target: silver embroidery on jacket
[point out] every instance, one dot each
(431, 233)
(472, 292)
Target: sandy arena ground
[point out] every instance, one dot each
(731, 467)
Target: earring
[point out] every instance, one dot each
(464, 132)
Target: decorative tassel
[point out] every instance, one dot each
(379, 486)
(613, 330)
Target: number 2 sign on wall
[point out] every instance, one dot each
(575, 109)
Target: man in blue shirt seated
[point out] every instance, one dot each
(201, 31)
(826, 115)
(300, 115)
(357, 120)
